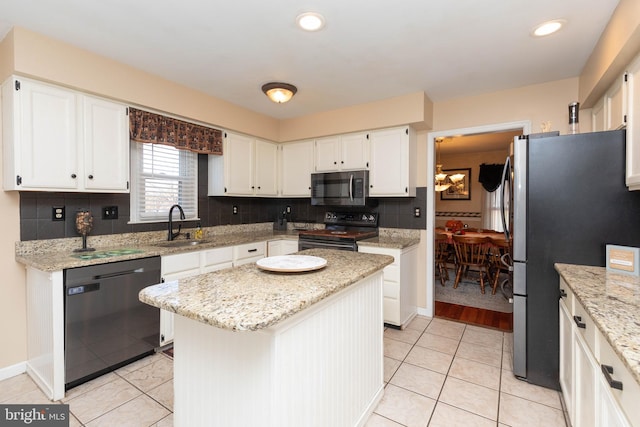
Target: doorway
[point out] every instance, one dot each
(463, 151)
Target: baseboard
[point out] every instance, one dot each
(13, 370)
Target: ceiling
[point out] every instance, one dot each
(475, 143)
(369, 50)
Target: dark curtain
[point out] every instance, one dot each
(490, 176)
(156, 129)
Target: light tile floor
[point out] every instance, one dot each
(437, 373)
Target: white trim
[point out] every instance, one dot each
(13, 370)
(525, 125)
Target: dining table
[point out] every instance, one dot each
(494, 235)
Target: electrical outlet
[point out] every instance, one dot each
(109, 212)
(288, 209)
(57, 213)
(416, 212)
(235, 210)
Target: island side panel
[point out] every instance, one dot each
(323, 366)
(45, 324)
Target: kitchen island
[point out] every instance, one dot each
(254, 347)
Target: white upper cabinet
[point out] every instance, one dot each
(266, 170)
(248, 167)
(342, 152)
(106, 145)
(296, 166)
(598, 120)
(615, 105)
(633, 125)
(393, 153)
(56, 139)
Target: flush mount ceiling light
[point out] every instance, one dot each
(547, 28)
(279, 92)
(310, 21)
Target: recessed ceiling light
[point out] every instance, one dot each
(548, 27)
(310, 21)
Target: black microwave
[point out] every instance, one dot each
(340, 188)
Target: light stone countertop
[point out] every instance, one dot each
(57, 254)
(56, 260)
(390, 242)
(246, 298)
(613, 302)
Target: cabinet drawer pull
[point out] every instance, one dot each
(563, 294)
(607, 371)
(90, 176)
(579, 323)
(252, 250)
(73, 175)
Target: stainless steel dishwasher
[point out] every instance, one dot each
(106, 325)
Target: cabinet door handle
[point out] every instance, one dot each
(252, 250)
(90, 176)
(335, 163)
(607, 371)
(73, 175)
(563, 294)
(579, 323)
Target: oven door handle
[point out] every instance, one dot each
(345, 246)
(351, 187)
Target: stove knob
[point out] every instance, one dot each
(372, 218)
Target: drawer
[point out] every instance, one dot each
(217, 256)
(249, 250)
(391, 290)
(566, 294)
(392, 273)
(391, 311)
(584, 325)
(180, 262)
(629, 396)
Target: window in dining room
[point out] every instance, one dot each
(492, 211)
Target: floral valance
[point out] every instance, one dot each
(156, 129)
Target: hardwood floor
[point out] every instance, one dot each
(475, 316)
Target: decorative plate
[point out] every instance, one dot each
(291, 263)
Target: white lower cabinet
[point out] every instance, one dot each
(180, 266)
(591, 398)
(282, 247)
(248, 253)
(400, 287)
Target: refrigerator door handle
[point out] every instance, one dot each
(506, 175)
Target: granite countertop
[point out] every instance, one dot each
(56, 260)
(393, 242)
(57, 254)
(613, 302)
(246, 298)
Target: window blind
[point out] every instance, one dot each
(162, 176)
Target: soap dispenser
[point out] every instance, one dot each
(198, 233)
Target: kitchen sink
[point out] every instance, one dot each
(180, 243)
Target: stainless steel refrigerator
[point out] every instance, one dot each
(569, 200)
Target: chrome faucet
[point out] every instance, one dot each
(173, 235)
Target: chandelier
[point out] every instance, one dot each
(442, 180)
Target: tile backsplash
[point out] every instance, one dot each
(36, 211)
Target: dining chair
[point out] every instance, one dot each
(443, 253)
(499, 247)
(471, 253)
